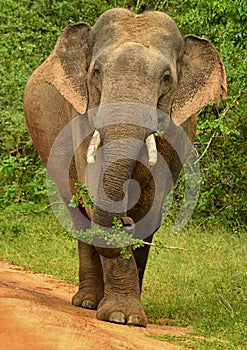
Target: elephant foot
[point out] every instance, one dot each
(122, 312)
(85, 300)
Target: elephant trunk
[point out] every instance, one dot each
(121, 147)
(121, 132)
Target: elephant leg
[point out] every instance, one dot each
(91, 286)
(122, 300)
(141, 256)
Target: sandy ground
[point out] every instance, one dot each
(36, 314)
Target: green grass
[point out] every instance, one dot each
(203, 287)
(31, 237)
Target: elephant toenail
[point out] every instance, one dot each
(136, 321)
(117, 317)
(88, 304)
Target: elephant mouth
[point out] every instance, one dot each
(95, 143)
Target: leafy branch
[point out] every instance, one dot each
(116, 236)
(81, 197)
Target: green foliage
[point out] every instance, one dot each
(159, 133)
(116, 237)
(223, 195)
(117, 223)
(81, 197)
(21, 178)
(29, 29)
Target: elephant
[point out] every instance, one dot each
(119, 83)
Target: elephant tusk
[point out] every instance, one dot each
(93, 146)
(152, 150)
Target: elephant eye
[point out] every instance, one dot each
(96, 76)
(166, 82)
(166, 76)
(96, 71)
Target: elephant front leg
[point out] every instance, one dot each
(91, 286)
(122, 300)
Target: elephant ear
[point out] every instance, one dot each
(67, 65)
(202, 79)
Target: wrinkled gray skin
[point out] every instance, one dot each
(123, 58)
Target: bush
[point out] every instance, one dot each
(223, 167)
(29, 30)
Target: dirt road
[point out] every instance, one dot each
(36, 314)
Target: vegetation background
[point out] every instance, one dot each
(29, 29)
(206, 285)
